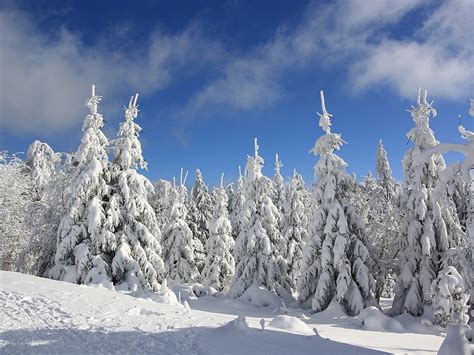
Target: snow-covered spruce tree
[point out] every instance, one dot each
(424, 233)
(161, 201)
(279, 189)
(258, 246)
(137, 262)
(219, 267)
(178, 242)
(85, 243)
(450, 300)
(295, 229)
(237, 205)
(202, 213)
(335, 257)
(382, 225)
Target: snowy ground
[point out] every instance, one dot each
(44, 316)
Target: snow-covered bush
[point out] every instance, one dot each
(449, 298)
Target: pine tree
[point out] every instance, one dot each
(295, 228)
(257, 248)
(178, 242)
(219, 267)
(335, 257)
(424, 233)
(84, 243)
(137, 262)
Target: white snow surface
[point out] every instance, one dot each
(42, 316)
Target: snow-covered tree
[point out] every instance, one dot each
(295, 228)
(16, 195)
(382, 224)
(178, 242)
(424, 232)
(43, 162)
(137, 261)
(84, 241)
(45, 213)
(161, 201)
(450, 300)
(204, 207)
(237, 205)
(219, 267)
(334, 257)
(279, 189)
(258, 246)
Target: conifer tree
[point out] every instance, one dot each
(178, 242)
(294, 231)
(202, 213)
(424, 234)
(279, 193)
(237, 205)
(84, 241)
(257, 248)
(137, 262)
(334, 258)
(219, 267)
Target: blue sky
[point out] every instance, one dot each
(212, 75)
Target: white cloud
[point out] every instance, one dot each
(45, 81)
(354, 34)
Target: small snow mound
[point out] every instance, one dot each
(373, 319)
(291, 324)
(239, 323)
(333, 311)
(261, 297)
(187, 292)
(455, 342)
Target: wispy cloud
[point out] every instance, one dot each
(354, 35)
(44, 81)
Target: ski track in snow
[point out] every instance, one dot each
(41, 316)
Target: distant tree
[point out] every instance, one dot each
(219, 267)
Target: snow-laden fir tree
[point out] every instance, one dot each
(161, 201)
(84, 241)
(335, 257)
(258, 246)
(279, 189)
(295, 228)
(450, 299)
(424, 233)
(219, 267)
(178, 242)
(137, 262)
(202, 214)
(237, 205)
(382, 224)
